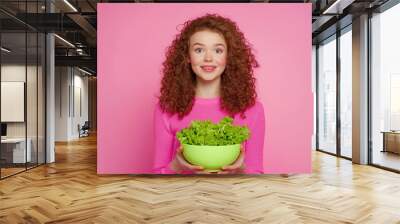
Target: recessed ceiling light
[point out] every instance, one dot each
(64, 40)
(86, 72)
(70, 5)
(5, 50)
(337, 7)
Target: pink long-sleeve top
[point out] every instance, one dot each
(166, 127)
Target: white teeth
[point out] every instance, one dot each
(210, 68)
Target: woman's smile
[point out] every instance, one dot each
(208, 68)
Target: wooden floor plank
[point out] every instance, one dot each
(70, 191)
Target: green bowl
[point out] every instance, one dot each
(211, 158)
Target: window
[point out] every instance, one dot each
(385, 86)
(346, 74)
(327, 95)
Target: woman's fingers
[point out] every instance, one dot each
(179, 150)
(235, 167)
(205, 172)
(224, 172)
(238, 164)
(184, 163)
(187, 165)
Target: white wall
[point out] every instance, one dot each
(61, 103)
(71, 93)
(12, 101)
(81, 103)
(13, 73)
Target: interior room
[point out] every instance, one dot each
(52, 160)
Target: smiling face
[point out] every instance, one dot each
(208, 55)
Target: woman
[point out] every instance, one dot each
(208, 74)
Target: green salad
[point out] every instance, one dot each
(207, 133)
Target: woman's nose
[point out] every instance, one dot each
(208, 56)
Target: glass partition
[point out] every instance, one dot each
(22, 77)
(327, 95)
(13, 108)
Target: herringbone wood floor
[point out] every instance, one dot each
(70, 191)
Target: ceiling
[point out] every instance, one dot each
(76, 22)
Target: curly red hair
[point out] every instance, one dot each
(238, 91)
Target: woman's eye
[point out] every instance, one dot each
(198, 50)
(219, 51)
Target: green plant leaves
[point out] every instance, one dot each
(207, 133)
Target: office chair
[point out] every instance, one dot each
(84, 130)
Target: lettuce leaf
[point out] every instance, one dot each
(207, 133)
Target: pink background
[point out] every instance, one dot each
(132, 39)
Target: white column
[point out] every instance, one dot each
(50, 93)
(360, 90)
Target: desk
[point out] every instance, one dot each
(15, 148)
(391, 141)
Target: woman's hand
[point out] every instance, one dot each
(179, 164)
(236, 167)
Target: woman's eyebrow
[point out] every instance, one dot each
(198, 44)
(216, 45)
